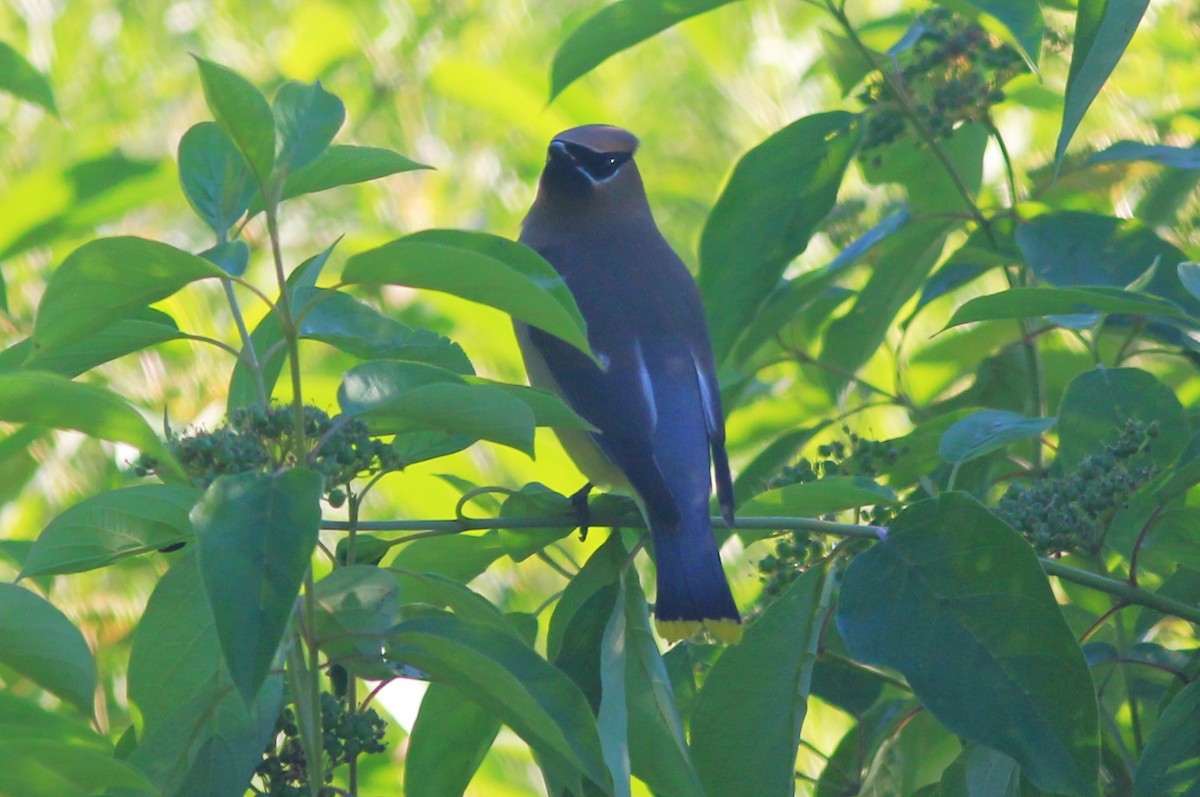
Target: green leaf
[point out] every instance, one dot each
(929, 186)
(547, 408)
(505, 676)
(957, 602)
(812, 499)
(197, 739)
(439, 590)
(447, 744)
(243, 113)
(112, 526)
(1023, 19)
(356, 607)
(1103, 28)
(307, 117)
(1175, 157)
(51, 400)
(141, 330)
(255, 533)
(399, 397)
(1098, 403)
(1170, 762)
(232, 257)
(40, 643)
(104, 280)
(778, 193)
(50, 768)
(1039, 302)
(341, 165)
(19, 78)
(1189, 276)
(614, 28)
(986, 431)
(340, 320)
(845, 61)
(460, 557)
(266, 336)
(746, 730)
(214, 176)
(901, 265)
(535, 500)
(754, 477)
(481, 268)
(981, 772)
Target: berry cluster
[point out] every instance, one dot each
(260, 438)
(1072, 512)
(345, 736)
(953, 73)
(796, 550)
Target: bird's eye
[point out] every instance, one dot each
(596, 166)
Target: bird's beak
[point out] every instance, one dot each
(558, 150)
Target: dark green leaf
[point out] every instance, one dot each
(243, 113)
(812, 499)
(505, 676)
(356, 607)
(19, 78)
(612, 718)
(1072, 248)
(197, 738)
(102, 281)
(1098, 404)
(1170, 763)
(40, 643)
(214, 176)
(449, 739)
(51, 400)
(232, 257)
(745, 730)
(307, 117)
(112, 526)
(1173, 538)
(340, 320)
(535, 500)
(614, 28)
(255, 534)
(1175, 157)
(986, 431)
(269, 335)
(957, 602)
(778, 193)
(981, 772)
(901, 265)
(1103, 28)
(50, 768)
(1038, 302)
(480, 268)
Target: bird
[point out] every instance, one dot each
(651, 394)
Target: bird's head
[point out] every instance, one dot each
(593, 165)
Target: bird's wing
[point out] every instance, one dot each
(619, 401)
(714, 420)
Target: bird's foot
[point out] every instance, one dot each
(579, 500)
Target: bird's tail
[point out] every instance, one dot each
(692, 589)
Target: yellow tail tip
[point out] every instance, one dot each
(727, 630)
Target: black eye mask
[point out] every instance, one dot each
(597, 165)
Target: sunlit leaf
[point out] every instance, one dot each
(778, 193)
(51, 400)
(956, 601)
(40, 643)
(614, 28)
(1103, 28)
(1039, 302)
(19, 78)
(243, 113)
(112, 526)
(339, 165)
(449, 739)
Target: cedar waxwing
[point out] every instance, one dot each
(653, 399)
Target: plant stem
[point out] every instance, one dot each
(914, 118)
(288, 325)
(1122, 590)
(248, 355)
